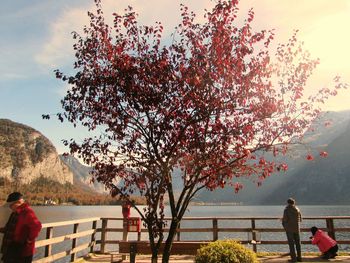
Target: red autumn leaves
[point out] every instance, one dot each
(208, 104)
(310, 157)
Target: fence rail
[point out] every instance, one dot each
(50, 240)
(100, 230)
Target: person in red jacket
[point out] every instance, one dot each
(20, 231)
(327, 245)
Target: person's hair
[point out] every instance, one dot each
(313, 230)
(291, 201)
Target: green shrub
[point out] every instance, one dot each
(225, 251)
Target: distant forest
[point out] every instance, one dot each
(42, 190)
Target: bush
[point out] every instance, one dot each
(225, 251)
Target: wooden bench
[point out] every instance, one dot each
(144, 247)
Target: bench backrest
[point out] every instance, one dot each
(144, 247)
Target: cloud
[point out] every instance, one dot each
(322, 25)
(57, 49)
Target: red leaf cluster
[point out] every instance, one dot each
(206, 105)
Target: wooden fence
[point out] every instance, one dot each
(99, 233)
(51, 240)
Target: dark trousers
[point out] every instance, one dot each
(27, 259)
(331, 253)
(294, 244)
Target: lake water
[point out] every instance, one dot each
(48, 214)
(60, 213)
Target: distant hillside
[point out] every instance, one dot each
(324, 180)
(29, 161)
(331, 172)
(41, 190)
(81, 174)
(30, 164)
(26, 154)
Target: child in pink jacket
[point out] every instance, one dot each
(325, 243)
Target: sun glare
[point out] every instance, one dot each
(329, 39)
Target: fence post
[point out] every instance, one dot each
(103, 235)
(74, 242)
(330, 227)
(93, 236)
(139, 236)
(49, 235)
(215, 229)
(254, 235)
(178, 233)
(125, 233)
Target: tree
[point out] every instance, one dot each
(209, 105)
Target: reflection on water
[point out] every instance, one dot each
(48, 214)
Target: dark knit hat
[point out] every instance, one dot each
(291, 201)
(313, 230)
(15, 196)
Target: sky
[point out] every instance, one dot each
(35, 39)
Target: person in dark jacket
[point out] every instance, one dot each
(20, 231)
(291, 224)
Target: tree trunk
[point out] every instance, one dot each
(169, 241)
(154, 258)
(154, 254)
(154, 246)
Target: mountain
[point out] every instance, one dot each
(302, 176)
(26, 154)
(29, 163)
(324, 180)
(81, 174)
